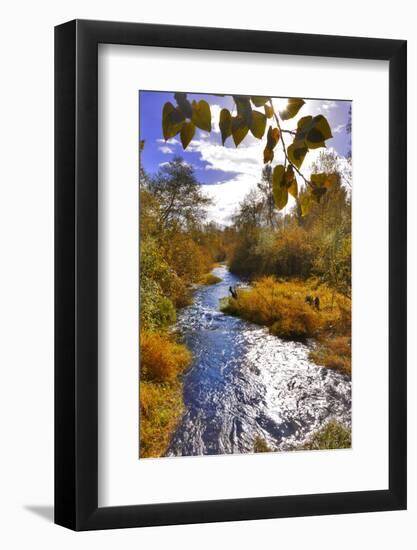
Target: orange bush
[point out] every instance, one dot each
(161, 407)
(161, 358)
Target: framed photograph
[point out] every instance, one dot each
(230, 253)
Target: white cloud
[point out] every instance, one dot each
(165, 149)
(245, 159)
(170, 141)
(337, 129)
(329, 104)
(215, 117)
(247, 162)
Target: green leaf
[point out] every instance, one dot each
(304, 125)
(239, 129)
(172, 120)
(279, 188)
(259, 100)
(225, 124)
(187, 134)
(297, 153)
(293, 106)
(319, 132)
(258, 124)
(268, 111)
(313, 131)
(201, 115)
(183, 104)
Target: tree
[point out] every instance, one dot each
(265, 187)
(252, 114)
(179, 195)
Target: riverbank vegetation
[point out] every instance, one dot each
(333, 435)
(177, 250)
(299, 264)
(210, 279)
(290, 239)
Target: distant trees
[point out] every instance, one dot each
(317, 243)
(177, 247)
(181, 201)
(266, 188)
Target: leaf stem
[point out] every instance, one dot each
(307, 182)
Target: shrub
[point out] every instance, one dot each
(334, 353)
(293, 253)
(281, 306)
(161, 358)
(333, 435)
(210, 279)
(185, 257)
(161, 407)
(156, 310)
(261, 446)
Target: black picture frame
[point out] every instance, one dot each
(76, 272)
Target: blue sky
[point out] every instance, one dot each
(228, 173)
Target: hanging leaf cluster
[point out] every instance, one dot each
(184, 118)
(251, 115)
(247, 118)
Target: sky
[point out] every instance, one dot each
(227, 173)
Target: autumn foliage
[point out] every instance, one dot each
(177, 250)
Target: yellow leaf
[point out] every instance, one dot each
(279, 188)
(201, 115)
(172, 120)
(225, 124)
(258, 124)
(239, 129)
(187, 134)
(259, 100)
(293, 106)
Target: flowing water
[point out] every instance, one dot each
(245, 383)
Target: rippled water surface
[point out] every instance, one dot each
(245, 383)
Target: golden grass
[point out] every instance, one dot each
(161, 358)
(210, 279)
(162, 361)
(281, 305)
(161, 408)
(334, 353)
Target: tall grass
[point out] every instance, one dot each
(161, 358)
(162, 361)
(284, 308)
